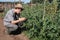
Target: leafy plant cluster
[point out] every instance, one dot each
(43, 21)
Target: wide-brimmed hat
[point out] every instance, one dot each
(19, 6)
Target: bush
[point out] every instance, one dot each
(42, 24)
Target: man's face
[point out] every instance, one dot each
(18, 10)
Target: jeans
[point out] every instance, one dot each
(11, 27)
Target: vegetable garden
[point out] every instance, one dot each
(43, 21)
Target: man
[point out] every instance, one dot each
(12, 19)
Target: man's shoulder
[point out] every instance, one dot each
(10, 12)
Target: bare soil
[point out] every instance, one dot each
(4, 36)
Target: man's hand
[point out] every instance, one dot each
(22, 19)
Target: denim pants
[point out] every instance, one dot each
(11, 27)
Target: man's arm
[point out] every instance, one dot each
(9, 18)
(20, 20)
(16, 21)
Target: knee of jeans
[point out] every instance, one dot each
(14, 27)
(11, 27)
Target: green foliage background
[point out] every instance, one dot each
(43, 21)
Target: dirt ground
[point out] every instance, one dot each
(4, 36)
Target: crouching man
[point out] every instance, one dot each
(12, 19)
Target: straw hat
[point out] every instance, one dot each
(19, 6)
